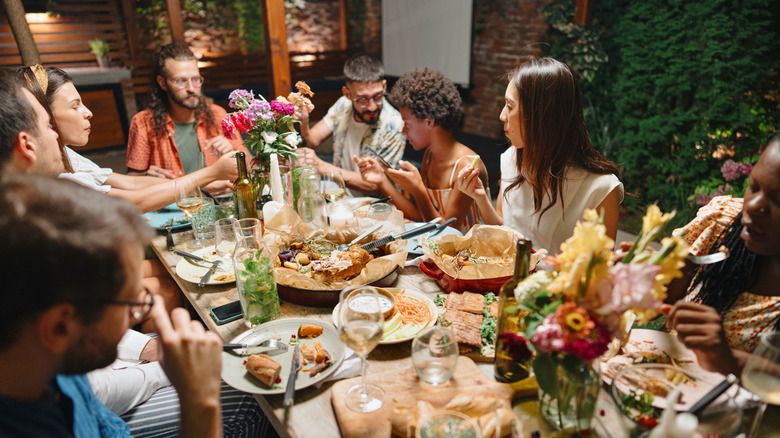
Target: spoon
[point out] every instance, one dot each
(345, 246)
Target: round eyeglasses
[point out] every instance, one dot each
(364, 101)
(196, 81)
(140, 309)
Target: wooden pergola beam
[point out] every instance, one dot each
(343, 42)
(582, 13)
(21, 30)
(175, 21)
(276, 30)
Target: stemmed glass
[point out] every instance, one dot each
(224, 238)
(761, 375)
(333, 186)
(360, 328)
(189, 199)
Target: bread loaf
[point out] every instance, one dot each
(263, 368)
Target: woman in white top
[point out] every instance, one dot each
(430, 106)
(552, 173)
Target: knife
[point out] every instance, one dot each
(193, 257)
(441, 227)
(289, 393)
(387, 239)
(207, 276)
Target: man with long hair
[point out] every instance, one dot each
(168, 138)
(360, 121)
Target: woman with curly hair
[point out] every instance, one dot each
(552, 173)
(430, 106)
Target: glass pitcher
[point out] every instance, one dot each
(254, 273)
(311, 205)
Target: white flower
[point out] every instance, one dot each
(269, 137)
(292, 140)
(532, 286)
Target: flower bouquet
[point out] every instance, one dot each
(575, 310)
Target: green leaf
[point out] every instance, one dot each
(546, 372)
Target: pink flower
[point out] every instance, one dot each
(731, 170)
(632, 284)
(589, 349)
(703, 199)
(547, 337)
(745, 168)
(227, 128)
(241, 121)
(280, 107)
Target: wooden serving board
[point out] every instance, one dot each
(402, 386)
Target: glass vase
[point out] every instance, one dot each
(567, 397)
(254, 274)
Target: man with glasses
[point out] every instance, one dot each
(179, 130)
(361, 121)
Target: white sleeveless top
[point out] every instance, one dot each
(581, 190)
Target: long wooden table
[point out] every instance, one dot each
(312, 415)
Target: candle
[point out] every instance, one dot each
(341, 214)
(276, 180)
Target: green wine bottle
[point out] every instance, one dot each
(507, 367)
(244, 191)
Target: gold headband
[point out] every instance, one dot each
(40, 76)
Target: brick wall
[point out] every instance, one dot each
(509, 32)
(314, 28)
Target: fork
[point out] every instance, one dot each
(708, 259)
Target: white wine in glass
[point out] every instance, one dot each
(333, 187)
(761, 375)
(361, 323)
(189, 198)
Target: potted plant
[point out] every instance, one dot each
(99, 48)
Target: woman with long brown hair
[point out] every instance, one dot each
(552, 173)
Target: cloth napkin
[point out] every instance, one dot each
(349, 367)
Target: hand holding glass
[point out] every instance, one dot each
(360, 328)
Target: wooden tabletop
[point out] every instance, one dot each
(312, 415)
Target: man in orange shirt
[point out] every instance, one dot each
(168, 138)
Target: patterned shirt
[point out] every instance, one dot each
(147, 147)
(751, 314)
(384, 136)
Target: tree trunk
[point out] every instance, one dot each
(24, 39)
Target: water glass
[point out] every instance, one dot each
(435, 354)
(224, 237)
(380, 210)
(203, 220)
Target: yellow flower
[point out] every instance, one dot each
(652, 224)
(575, 321)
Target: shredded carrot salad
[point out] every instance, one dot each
(412, 309)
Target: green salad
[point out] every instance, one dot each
(257, 289)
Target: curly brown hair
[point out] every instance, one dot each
(429, 95)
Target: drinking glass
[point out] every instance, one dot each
(203, 220)
(224, 238)
(360, 328)
(333, 186)
(761, 375)
(435, 354)
(189, 199)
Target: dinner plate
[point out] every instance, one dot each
(234, 371)
(158, 218)
(192, 271)
(395, 291)
(413, 246)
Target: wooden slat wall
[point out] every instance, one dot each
(63, 40)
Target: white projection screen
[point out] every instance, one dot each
(427, 33)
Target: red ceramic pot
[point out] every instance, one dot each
(451, 284)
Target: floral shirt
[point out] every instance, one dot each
(384, 137)
(751, 315)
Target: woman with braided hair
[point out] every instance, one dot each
(730, 304)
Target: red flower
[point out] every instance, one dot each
(227, 128)
(516, 346)
(241, 121)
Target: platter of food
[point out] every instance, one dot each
(649, 346)
(413, 312)
(321, 351)
(168, 215)
(472, 317)
(192, 271)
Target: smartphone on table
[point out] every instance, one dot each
(226, 312)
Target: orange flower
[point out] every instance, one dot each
(575, 322)
(304, 88)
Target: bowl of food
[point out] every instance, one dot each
(642, 392)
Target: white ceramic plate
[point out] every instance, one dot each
(192, 271)
(429, 302)
(413, 246)
(235, 374)
(163, 215)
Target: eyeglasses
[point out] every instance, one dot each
(363, 101)
(139, 310)
(196, 81)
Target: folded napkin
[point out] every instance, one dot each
(349, 367)
(415, 261)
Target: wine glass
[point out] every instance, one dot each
(761, 375)
(435, 354)
(189, 199)
(360, 328)
(333, 186)
(224, 238)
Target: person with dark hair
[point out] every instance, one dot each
(62, 324)
(552, 173)
(360, 121)
(55, 91)
(167, 139)
(732, 303)
(430, 106)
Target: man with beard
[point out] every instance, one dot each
(168, 138)
(360, 121)
(59, 325)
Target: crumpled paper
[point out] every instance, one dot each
(287, 227)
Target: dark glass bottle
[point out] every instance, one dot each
(510, 323)
(244, 191)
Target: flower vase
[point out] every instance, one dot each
(568, 391)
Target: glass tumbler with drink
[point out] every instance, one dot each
(224, 238)
(361, 323)
(189, 198)
(435, 354)
(254, 270)
(761, 375)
